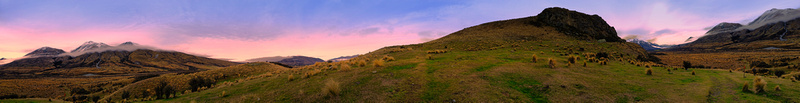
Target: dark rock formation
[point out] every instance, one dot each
(577, 24)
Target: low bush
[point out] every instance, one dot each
(777, 88)
(649, 71)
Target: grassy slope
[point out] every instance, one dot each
(500, 75)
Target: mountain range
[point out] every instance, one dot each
(102, 59)
(775, 28)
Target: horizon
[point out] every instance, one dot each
(244, 30)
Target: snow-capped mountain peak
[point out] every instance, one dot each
(773, 16)
(45, 51)
(90, 45)
(648, 45)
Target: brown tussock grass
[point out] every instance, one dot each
(378, 63)
(649, 71)
(759, 85)
(331, 88)
(534, 59)
(746, 87)
(552, 63)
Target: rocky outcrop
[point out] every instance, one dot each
(577, 24)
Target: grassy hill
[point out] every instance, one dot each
(518, 60)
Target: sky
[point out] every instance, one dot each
(243, 29)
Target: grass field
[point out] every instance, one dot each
(499, 75)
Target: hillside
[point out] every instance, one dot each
(503, 61)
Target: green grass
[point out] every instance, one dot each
(502, 75)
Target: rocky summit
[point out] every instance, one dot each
(577, 24)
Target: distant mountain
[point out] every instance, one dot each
(297, 61)
(113, 61)
(648, 45)
(128, 44)
(89, 45)
(724, 27)
(773, 30)
(268, 59)
(342, 58)
(45, 52)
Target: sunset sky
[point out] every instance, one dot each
(244, 29)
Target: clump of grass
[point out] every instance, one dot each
(584, 64)
(777, 88)
(759, 84)
(571, 59)
(649, 71)
(746, 87)
(291, 77)
(344, 67)
(331, 88)
(222, 94)
(534, 58)
(552, 63)
(378, 63)
(730, 71)
(311, 73)
(793, 79)
(693, 72)
(388, 58)
(430, 57)
(361, 63)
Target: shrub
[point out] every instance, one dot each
(693, 72)
(649, 71)
(534, 58)
(759, 84)
(331, 88)
(746, 87)
(777, 88)
(552, 63)
(378, 63)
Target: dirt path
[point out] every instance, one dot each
(723, 87)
